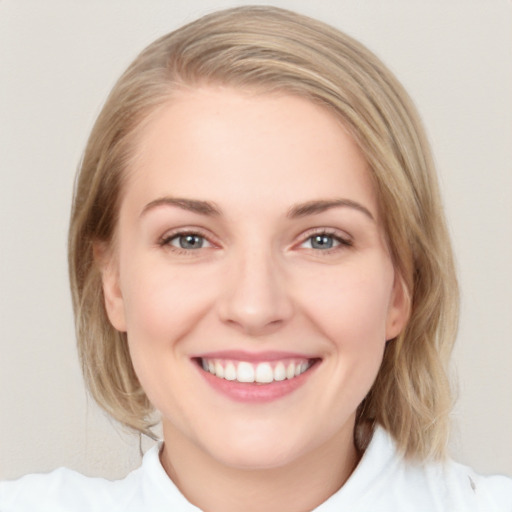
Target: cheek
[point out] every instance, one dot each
(162, 306)
(351, 313)
(351, 307)
(162, 303)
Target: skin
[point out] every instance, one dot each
(256, 284)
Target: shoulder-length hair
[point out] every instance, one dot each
(266, 49)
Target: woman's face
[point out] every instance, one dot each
(252, 276)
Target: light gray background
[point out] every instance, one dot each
(58, 60)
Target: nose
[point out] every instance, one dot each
(255, 298)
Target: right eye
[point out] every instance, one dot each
(186, 241)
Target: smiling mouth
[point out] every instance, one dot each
(265, 372)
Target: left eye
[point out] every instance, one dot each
(188, 241)
(322, 241)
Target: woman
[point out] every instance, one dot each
(258, 252)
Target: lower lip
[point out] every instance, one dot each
(253, 392)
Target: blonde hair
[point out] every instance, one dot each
(268, 49)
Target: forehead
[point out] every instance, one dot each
(224, 144)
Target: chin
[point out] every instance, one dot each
(257, 457)
(255, 445)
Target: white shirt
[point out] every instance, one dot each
(382, 482)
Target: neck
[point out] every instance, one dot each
(298, 486)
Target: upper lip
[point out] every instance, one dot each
(256, 357)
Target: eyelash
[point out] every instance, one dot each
(341, 242)
(168, 238)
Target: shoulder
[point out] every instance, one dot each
(450, 486)
(442, 486)
(384, 481)
(146, 488)
(482, 493)
(61, 490)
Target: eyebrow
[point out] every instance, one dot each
(319, 206)
(191, 205)
(299, 210)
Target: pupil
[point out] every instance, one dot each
(191, 242)
(322, 242)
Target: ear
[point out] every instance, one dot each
(109, 268)
(399, 308)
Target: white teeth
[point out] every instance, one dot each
(261, 373)
(219, 370)
(279, 372)
(264, 373)
(245, 372)
(230, 372)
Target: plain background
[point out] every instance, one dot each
(58, 60)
